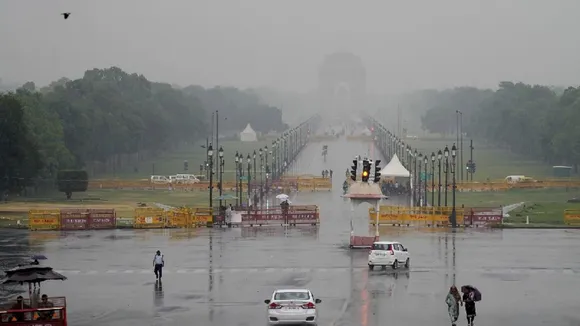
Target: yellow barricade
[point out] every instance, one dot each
(306, 184)
(427, 216)
(202, 216)
(44, 219)
(149, 218)
(322, 184)
(179, 218)
(572, 216)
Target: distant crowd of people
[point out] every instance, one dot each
(327, 174)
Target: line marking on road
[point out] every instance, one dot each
(111, 271)
(182, 271)
(128, 271)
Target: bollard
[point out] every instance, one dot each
(527, 219)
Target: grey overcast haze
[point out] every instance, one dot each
(404, 45)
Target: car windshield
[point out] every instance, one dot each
(291, 296)
(382, 246)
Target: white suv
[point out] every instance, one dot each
(387, 253)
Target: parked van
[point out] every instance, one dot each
(184, 179)
(518, 178)
(159, 179)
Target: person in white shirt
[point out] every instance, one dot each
(158, 264)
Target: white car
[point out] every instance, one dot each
(292, 306)
(388, 253)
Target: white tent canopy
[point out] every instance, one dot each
(395, 169)
(248, 134)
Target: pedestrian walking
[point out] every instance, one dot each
(158, 264)
(469, 299)
(453, 300)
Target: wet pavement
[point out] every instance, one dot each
(221, 276)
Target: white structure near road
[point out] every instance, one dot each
(248, 134)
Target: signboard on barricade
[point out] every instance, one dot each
(202, 216)
(263, 218)
(386, 216)
(44, 219)
(149, 218)
(179, 218)
(322, 184)
(311, 218)
(305, 185)
(102, 218)
(74, 219)
(572, 216)
(482, 216)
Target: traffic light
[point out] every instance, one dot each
(472, 167)
(377, 177)
(353, 170)
(185, 165)
(366, 172)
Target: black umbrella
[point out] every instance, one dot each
(31, 274)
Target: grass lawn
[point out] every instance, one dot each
(492, 163)
(172, 162)
(123, 201)
(541, 205)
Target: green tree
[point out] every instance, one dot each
(20, 161)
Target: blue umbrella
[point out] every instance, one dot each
(38, 257)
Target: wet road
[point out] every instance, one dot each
(221, 276)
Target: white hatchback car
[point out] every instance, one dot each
(388, 253)
(295, 306)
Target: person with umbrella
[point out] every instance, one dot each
(469, 297)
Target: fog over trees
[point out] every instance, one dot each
(110, 117)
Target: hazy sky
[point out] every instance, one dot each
(404, 44)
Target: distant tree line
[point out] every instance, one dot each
(533, 120)
(108, 119)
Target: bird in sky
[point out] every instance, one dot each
(66, 14)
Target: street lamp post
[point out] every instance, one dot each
(432, 178)
(425, 161)
(249, 182)
(453, 170)
(439, 155)
(414, 162)
(267, 168)
(210, 160)
(273, 154)
(261, 176)
(446, 154)
(240, 167)
(237, 177)
(256, 178)
(420, 159)
(221, 165)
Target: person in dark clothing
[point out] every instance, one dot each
(469, 300)
(158, 264)
(19, 305)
